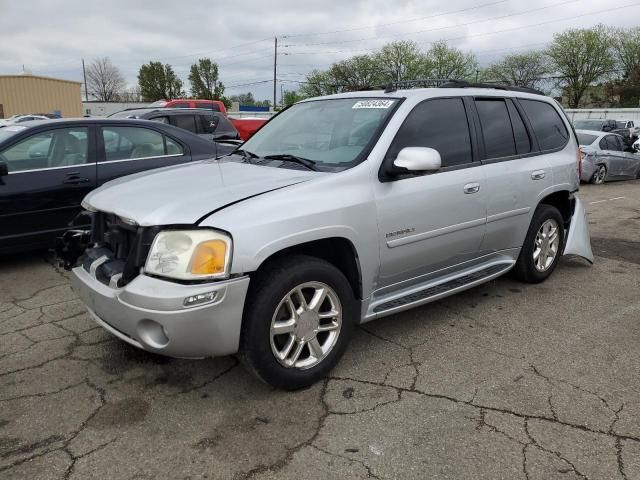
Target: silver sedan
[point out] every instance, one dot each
(604, 157)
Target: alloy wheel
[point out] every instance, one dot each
(306, 325)
(600, 175)
(547, 243)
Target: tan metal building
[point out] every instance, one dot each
(33, 94)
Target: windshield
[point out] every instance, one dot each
(588, 124)
(331, 133)
(10, 131)
(585, 139)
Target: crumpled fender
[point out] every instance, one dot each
(578, 240)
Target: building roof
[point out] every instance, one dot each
(38, 77)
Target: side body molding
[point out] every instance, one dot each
(578, 241)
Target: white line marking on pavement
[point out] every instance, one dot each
(598, 201)
(617, 198)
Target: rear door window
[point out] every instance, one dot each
(496, 128)
(614, 143)
(547, 124)
(122, 143)
(186, 122)
(523, 141)
(180, 105)
(440, 124)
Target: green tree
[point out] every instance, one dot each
(244, 98)
(318, 83)
(400, 61)
(290, 97)
(520, 69)
(360, 72)
(444, 62)
(626, 47)
(203, 78)
(581, 57)
(157, 82)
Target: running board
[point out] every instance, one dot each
(434, 290)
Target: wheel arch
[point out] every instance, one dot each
(563, 200)
(338, 251)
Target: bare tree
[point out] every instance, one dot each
(104, 80)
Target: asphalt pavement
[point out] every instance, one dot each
(505, 381)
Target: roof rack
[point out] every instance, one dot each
(452, 83)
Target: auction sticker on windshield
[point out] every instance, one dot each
(373, 103)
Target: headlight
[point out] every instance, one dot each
(190, 255)
(86, 206)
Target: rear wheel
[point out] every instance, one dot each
(541, 250)
(298, 321)
(599, 175)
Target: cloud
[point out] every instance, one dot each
(50, 37)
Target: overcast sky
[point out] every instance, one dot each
(50, 37)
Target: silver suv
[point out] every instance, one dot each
(340, 210)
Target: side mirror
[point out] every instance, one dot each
(418, 159)
(4, 169)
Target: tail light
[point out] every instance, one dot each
(579, 162)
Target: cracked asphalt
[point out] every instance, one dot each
(505, 381)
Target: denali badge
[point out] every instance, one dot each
(397, 233)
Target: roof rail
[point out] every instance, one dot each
(496, 85)
(452, 83)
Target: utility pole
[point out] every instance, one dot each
(84, 73)
(275, 69)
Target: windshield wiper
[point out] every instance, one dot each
(247, 156)
(287, 157)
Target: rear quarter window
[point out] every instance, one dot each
(547, 124)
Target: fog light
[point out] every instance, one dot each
(199, 299)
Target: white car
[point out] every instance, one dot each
(21, 118)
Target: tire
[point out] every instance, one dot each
(267, 306)
(527, 267)
(599, 175)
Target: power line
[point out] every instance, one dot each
(393, 23)
(500, 17)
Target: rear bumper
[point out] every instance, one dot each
(149, 313)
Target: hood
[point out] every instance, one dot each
(186, 193)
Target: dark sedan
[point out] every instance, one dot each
(47, 167)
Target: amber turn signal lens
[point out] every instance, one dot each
(208, 258)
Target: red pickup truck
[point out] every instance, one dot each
(245, 126)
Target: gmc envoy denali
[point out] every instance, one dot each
(340, 210)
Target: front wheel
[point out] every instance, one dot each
(599, 175)
(542, 246)
(298, 321)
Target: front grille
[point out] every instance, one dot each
(119, 251)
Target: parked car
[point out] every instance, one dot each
(21, 118)
(598, 125)
(605, 157)
(47, 167)
(340, 210)
(215, 105)
(634, 130)
(247, 126)
(206, 123)
(628, 131)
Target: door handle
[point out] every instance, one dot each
(471, 188)
(75, 180)
(537, 175)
